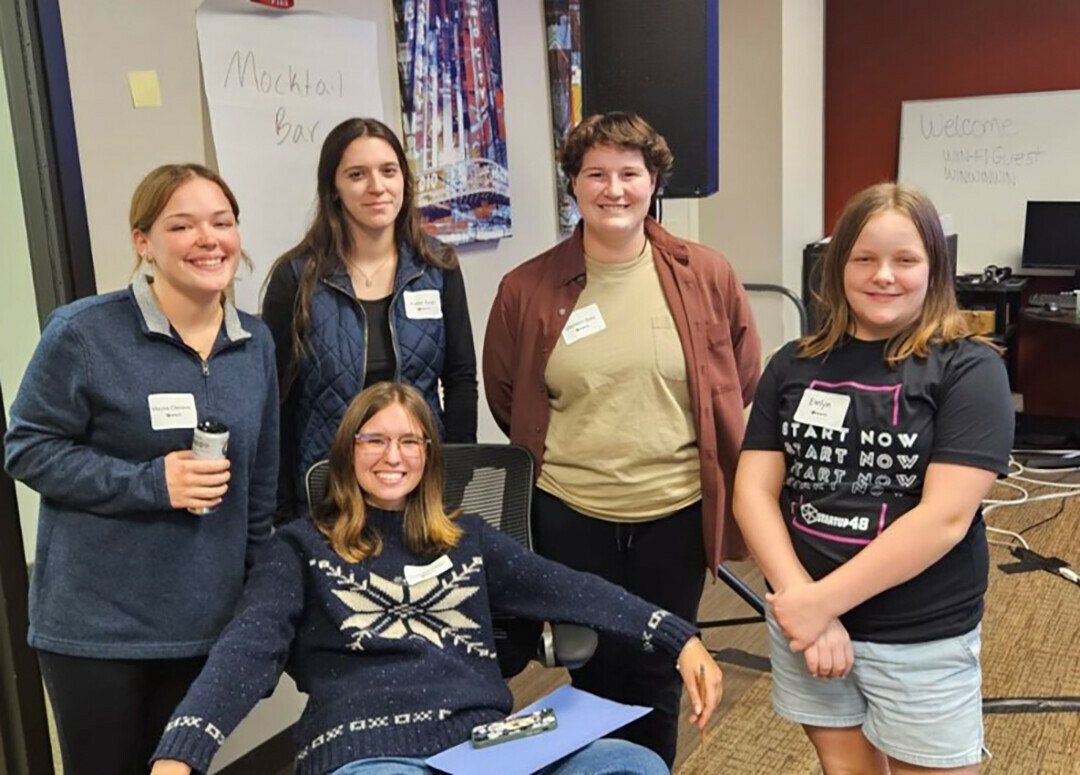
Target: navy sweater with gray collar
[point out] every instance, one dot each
(391, 668)
(119, 573)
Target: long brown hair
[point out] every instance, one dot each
(939, 322)
(328, 239)
(342, 515)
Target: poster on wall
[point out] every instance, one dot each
(450, 70)
(275, 85)
(563, 21)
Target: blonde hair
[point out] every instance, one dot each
(342, 515)
(939, 321)
(156, 189)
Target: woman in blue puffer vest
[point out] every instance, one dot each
(366, 296)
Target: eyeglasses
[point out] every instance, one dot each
(378, 444)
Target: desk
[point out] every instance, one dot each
(1063, 318)
(1048, 355)
(1003, 297)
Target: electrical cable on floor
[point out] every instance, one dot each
(1019, 544)
(1008, 544)
(1051, 518)
(1021, 550)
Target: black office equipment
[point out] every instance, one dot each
(1052, 237)
(1053, 302)
(660, 60)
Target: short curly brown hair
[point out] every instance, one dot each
(622, 130)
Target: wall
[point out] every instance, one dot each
(769, 204)
(802, 138)
(117, 143)
(879, 54)
(18, 303)
(743, 220)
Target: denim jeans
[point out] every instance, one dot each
(603, 757)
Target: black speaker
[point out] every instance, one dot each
(659, 59)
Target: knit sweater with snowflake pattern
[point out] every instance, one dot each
(390, 668)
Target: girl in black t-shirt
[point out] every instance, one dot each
(869, 449)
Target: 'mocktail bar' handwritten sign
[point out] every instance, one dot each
(275, 85)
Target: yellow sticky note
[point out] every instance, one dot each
(145, 89)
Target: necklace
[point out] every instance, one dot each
(368, 280)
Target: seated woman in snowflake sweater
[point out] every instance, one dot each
(398, 670)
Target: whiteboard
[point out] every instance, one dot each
(981, 159)
(276, 84)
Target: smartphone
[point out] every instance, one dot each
(513, 728)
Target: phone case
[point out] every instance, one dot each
(514, 728)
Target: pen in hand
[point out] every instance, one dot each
(701, 695)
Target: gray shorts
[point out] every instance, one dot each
(920, 703)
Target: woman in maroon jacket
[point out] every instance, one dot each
(623, 358)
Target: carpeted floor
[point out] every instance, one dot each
(1031, 648)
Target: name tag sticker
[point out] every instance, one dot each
(582, 323)
(172, 410)
(423, 305)
(414, 574)
(825, 410)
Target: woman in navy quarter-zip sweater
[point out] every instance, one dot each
(130, 589)
(365, 297)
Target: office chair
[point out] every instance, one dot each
(495, 481)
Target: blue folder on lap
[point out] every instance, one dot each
(582, 718)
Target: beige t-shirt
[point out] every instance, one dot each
(620, 442)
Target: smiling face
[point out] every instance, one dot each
(389, 456)
(370, 184)
(193, 244)
(886, 276)
(613, 191)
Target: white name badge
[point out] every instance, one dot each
(172, 410)
(423, 305)
(414, 574)
(825, 410)
(582, 323)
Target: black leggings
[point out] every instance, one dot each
(110, 713)
(662, 561)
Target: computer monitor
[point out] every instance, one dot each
(1052, 236)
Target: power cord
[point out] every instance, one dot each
(1027, 558)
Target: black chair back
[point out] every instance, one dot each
(494, 481)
